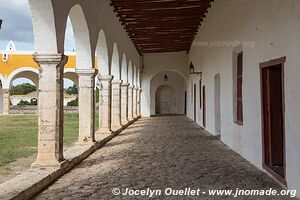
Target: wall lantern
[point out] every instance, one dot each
(166, 77)
(0, 23)
(192, 70)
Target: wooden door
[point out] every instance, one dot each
(185, 99)
(273, 119)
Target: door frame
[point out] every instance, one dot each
(272, 63)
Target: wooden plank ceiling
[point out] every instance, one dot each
(156, 26)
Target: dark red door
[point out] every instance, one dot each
(204, 106)
(273, 119)
(185, 102)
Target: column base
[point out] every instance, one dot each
(115, 128)
(130, 119)
(48, 164)
(125, 122)
(84, 142)
(103, 131)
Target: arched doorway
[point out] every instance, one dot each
(158, 86)
(165, 100)
(217, 101)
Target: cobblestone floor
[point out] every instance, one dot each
(159, 153)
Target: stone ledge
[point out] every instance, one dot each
(32, 181)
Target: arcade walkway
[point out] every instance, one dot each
(157, 153)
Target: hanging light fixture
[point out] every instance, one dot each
(192, 70)
(166, 77)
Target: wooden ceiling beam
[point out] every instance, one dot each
(161, 25)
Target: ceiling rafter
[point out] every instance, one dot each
(156, 26)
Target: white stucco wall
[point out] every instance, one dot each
(154, 64)
(274, 26)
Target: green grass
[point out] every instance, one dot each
(18, 135)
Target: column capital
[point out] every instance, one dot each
(87, 72)
(105, 77)
(125, 84)
(52, 59)
(117, 82)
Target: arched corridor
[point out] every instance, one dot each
(174, 153)
(235, 75)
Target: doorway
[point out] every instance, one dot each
(185, 99)
(217, 101)
(165, 100)
(204, 107)
(273, 136)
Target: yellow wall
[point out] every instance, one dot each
(16, 61)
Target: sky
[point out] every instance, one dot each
(17, 26)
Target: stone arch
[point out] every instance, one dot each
(176, 81)
(130, 73)
(84, 55)
(124, 71)
(217, 102)
(71, 74)
(170, 70)
(24, 72)
(44, 27)
(102, 54)
(165, 100)
(115, 63)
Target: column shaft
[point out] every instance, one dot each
(105, 104)
(6, 101)
(139, 102)
(116, 105)
(135, 102)
(124, 103)
(130, 103)
(86, 106)
(50, 110)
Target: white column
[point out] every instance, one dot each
(86, 105)
(50, 110)
(6, 101)
(105, 104)
(135, 89)
(116, 105)
(139, 102)
(124, 103)
(130, 103)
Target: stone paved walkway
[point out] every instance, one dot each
(159, 153)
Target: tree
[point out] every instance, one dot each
(22, 89)
(72, 90)
(73, 102)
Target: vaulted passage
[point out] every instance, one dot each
(174, 153)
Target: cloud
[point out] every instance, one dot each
(17, 24)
